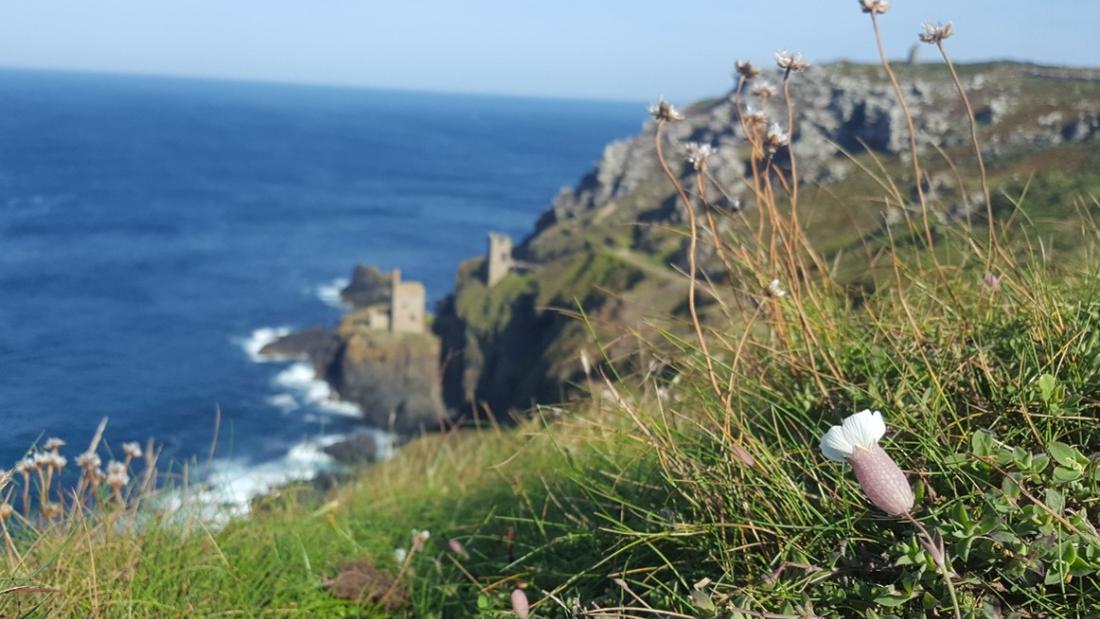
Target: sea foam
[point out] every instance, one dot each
(329, 293)
(259, 338)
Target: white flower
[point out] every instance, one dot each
(856, 441)
(936, 33)
(863, 429)
(775, 289)
(42, 459)
(874, 7)
(418, 539)
(664, 111)
(791, 63)
(400, 554)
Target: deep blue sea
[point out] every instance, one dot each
(152, 230)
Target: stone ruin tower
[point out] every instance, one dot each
(499, 261)
(406, 305)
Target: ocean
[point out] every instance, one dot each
(154, 232)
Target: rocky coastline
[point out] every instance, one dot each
(606, 248)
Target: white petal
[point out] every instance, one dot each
(835, 445)
(864, 429)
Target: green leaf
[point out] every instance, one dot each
(483, 602)
(892, 600)
(1055, 500)
(1066, 455)
(981, 444)
(1010, 486)
(1066, 475)
(1047, 386)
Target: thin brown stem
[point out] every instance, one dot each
(692, 266)
(991, 249)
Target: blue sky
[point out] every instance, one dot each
(620, 49)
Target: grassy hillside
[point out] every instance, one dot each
(683, 476)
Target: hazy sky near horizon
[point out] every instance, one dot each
(619, 49)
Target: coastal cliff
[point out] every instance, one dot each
(609, 253)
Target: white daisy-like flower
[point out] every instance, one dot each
(791, 63)
(856, 441)
(664, 111)
(936, 33)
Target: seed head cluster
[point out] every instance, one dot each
(874, 7)
(790, 62)
(663, 111)
(934, 34)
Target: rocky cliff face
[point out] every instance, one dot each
(604, 262)
(604, 245)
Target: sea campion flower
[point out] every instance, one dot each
(699, 154)
(764, 90)
(747, 69)
(520, 606)
(775, 289)
(856, 441)
(791, 63)
(936, 33)
(457, 548)
(874, 7)
(663, 111)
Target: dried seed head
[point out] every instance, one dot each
(874, 7)
(765, 90)
(775, 289)
(777, 138)
(699, 154)
(856, 441)
(664, 111)
(58, 461)
(5, 511)
(754, 117)
(88, 460)
(53, 444)
(791, 63)
(520, 606)
(418, 539)
(117, 476)
(747, 69)
(131, 450)
(24, 466)
(936, 33)
(41, 460)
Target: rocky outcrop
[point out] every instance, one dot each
(394, 378)
(368, 286)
